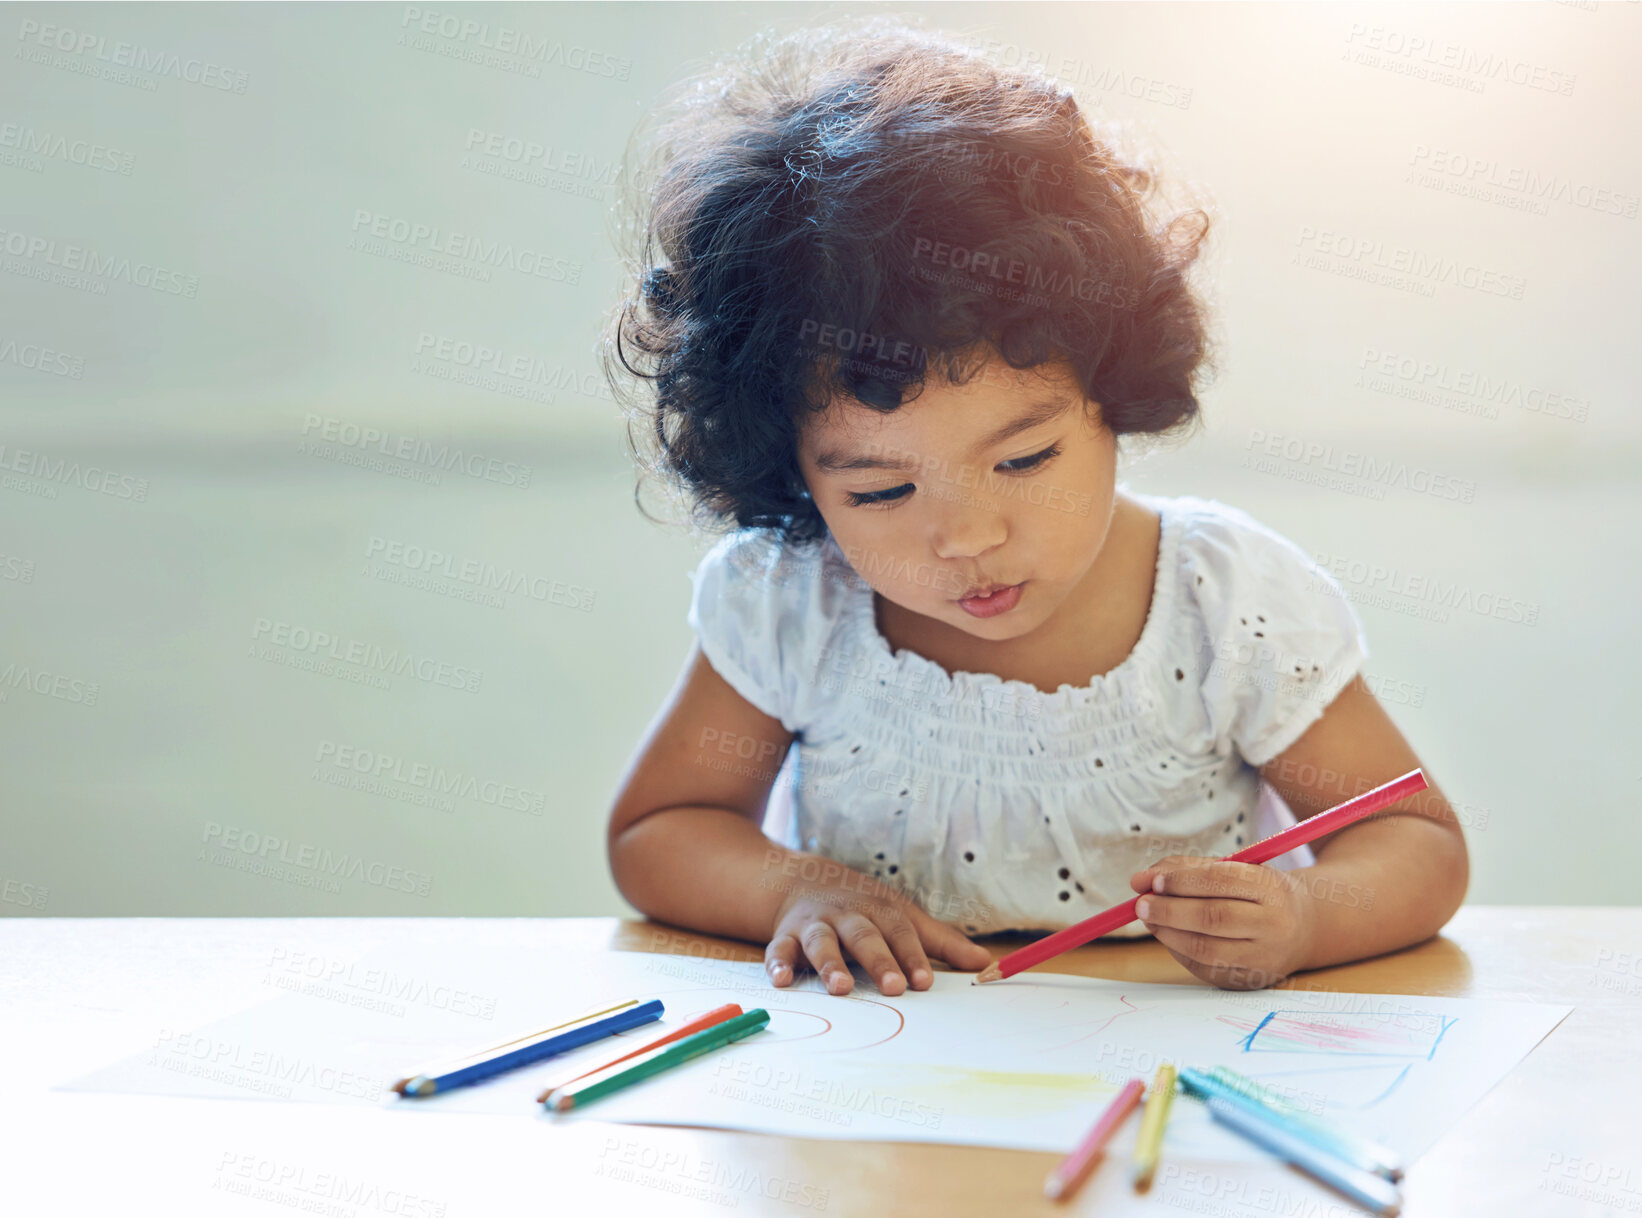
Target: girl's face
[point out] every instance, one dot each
(981, 505)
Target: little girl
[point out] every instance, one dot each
(898, 305)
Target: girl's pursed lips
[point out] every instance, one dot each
(1000, 600)
(986, 589)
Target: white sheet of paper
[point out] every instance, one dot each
(1025, 1063)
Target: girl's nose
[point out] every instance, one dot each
(967, 531)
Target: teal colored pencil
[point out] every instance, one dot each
(574, 1095)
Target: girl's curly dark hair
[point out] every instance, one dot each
(838, 210)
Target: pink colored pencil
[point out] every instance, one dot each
(1308, 830)
(1071, 1171)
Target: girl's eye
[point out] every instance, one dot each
(1021, 464)
(865, 498)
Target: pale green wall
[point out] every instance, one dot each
(106, 807)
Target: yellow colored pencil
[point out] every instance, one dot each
(1152, 1120)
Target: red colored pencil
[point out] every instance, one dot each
(1299, 834)
(716, 1016)
(1071, 1171)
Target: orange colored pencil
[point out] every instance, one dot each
(716, 1016)
(1070, 1172)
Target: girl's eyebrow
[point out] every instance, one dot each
(1037, 414)
(836, 461)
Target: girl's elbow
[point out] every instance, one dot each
(1452, 858)
(1454, 878)
(1460, 873)
(636, 857)
(624, 869)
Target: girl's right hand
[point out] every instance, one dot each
(891, 936)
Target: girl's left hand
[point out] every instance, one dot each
(1238, 926)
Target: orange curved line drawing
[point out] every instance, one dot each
(807, 1015)
(900, 1023)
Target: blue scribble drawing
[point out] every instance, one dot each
(1407, 1035)
(1395, 1083)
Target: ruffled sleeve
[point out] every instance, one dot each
(758, 610)
(1280, 638)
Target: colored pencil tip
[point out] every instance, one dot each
(400, 1086)
(990, 973)
(1143, 1180)
(561, 1103)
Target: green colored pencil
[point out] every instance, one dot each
(574, 1095)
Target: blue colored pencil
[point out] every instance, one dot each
(1373, 1193)
(1359, 1154)
(471, 1071)
(1370, 1156)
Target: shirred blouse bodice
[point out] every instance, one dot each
(995, 804)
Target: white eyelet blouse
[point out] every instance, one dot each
(994, 804)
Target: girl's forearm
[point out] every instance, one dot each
(709, 869)
(1383, 885)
